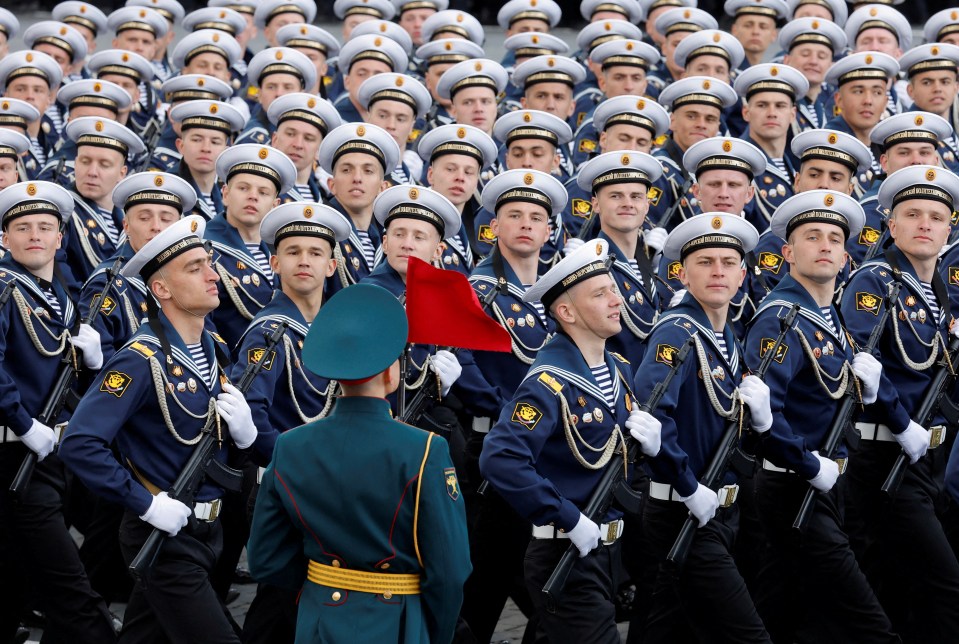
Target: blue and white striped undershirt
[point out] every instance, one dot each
(366, 247)
(50, 296)
(261, 260)
(304, 191)
(540, 309)
(933, 302)
(826, 313)
(780, 165)
(721, 341)
(605, 381)
(38, 150)
(109, 226)
(208, 200)
(199, 359)
(53, 113)
(635, 266)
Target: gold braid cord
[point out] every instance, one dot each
(518, 346)
(293, 362)
(27, 315)
(842, 377)
(161, 385)
(933, 346)
(574, 439)
(234, 294)
(735, 404)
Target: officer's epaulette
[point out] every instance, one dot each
(619, 357)
(217, 338)
(140, 346)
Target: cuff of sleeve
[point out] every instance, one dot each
(140, 500)
(687, 485)
(810, 466)
(899, 420)
(568, 516)
(21, 422)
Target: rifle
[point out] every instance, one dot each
(842, 420)
(421, 402)
(939, 386)
(726, 454)
(151, 135)
(612, 484)
(202, 464)
(62, 386)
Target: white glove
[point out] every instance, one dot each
(868, 370)
(585, 535)
(677, 298)
(646, 430)
(702, 504)
(914, 441)
(655, 238)
(167, 514)
(233, 408)
(40, 439)
(572, 244)
(827, 476)
(755, 393)
(447, 367)
(87, 340)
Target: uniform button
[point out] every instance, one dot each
(385, 566)
(335, 563)
(387, 595)
(336, 596)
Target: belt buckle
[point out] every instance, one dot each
(937, 436)
(612, 532)
(214, 510)
(58, 431)
(842, 463)
(727, 495)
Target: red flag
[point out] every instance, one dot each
(442, 309)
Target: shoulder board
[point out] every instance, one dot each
(216, 337)
(141, 348)
(550, 382)
(619, 357)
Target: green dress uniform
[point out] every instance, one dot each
(380, 553)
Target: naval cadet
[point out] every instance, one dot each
(756, 26)
(271, 15)
(285, 394)
(769, 92)
(370, 583)
(13, 145)
(17, 115)
(357, 157)
(33, 77)
(708, 392)
(618, 182)
(628, 123)
(86, 18)
(553, 440)
(211, 52)
(861, 80)
(86, 98)
(943, 27)
(623, 65)
(253, 177)
(143, 30)
(456, 156)
(472, 88)
(130, 71)
(9, 28)
(361, 58)
(93, 233)
(533, 44)
(171, 14)
(724, 169)
(586, 94)
(411, 14)
(318, 45)
(674, 25)
(452, 23)
(67, 47)
(880, 28)
(547, 83)
(921, 200)
(499, 536)
(933, 73)
(438, 56)
(207, 128)
(518, 16)
(171, 359)
(716, 54)
(531, 141)
(354, 12)
(696, 106)
(828, 160)
(301, 121)
(177, 90)
(810, 373)
(275, 71)
(38, 551)
(395, 102)
(810, 45)
(149, 204)
(910, 138)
